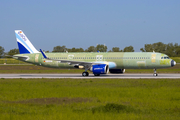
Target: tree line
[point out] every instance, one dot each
(10, 53)
(100, 48)
(172, 50)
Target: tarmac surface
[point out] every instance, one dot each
(91, 76)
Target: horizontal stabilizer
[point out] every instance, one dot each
(21, 57)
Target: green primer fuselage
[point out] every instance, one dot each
(123, 60)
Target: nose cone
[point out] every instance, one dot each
(173, 63)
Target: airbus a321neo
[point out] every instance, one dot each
(96, 62)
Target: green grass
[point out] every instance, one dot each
(177, 59)
(35, 69)
(11, 61)
(87, 99)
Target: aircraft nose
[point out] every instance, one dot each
(173, 63)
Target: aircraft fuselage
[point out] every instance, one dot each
(118, 60)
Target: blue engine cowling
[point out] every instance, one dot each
(100, 69)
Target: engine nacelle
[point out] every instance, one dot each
(100, 69)
(121, 71)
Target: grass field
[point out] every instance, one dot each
(40, 69)
(11, 61)
(177, 59)
(89, 99)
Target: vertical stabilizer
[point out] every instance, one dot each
(25, 46)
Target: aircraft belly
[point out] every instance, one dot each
(64, 65)
(141, 64)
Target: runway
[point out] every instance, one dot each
(91, 76)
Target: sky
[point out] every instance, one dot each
(84, 23)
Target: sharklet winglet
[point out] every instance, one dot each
(43, 54)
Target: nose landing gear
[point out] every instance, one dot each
(155, 74)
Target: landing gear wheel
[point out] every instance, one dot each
(96, 74)
(85, 74)
(155, 74)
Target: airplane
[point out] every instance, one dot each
(96, 62)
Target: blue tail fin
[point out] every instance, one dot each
(25, 46)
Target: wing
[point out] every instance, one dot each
(70, 62)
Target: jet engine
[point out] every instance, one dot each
(100, 69)
(117, 71)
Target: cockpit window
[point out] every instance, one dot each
(161, 57)
(165, 57)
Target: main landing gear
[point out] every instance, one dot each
(85, 74)
(155, 74)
